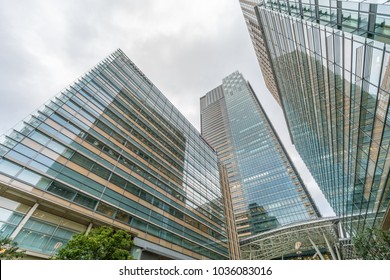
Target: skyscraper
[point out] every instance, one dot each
(112, 150)
(260, 47)
(266, 190)
(331, 66)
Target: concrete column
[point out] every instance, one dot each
(24, 221)
(339, 14)
(372, 19)
(317, 11)
(136, 252)
(89, 228)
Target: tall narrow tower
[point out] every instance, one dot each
(266, 190)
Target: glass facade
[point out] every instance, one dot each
(111, 149)
(331, 65)
(366, 18)
(260, 46)
(266, 190)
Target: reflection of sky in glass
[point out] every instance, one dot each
(269, 196)
(329, 92)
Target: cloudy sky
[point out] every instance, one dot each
(185, 47)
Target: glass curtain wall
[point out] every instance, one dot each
(335, 90)
(266, 190)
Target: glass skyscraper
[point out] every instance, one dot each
(266, 190)
(260, 47)
(110, 149)
(330, 61)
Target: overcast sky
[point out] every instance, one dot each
(184, 47)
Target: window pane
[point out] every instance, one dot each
(39, 137)
(56, 147)
(29, 177)
(62, 190)
(85, 201)
(105, 209)
(9, 168)
(120, 182)
(82, 161)
(123, 217)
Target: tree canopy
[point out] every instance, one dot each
(373, 244)
(9, 250)
(101, 243)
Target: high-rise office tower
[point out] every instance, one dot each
(259, 44)
(112, 150)
(266, 190)
(331, 66)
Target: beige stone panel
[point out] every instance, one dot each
(103, 218)
(53, 124)
(177, 248)
(55, 199)
(96, 178)
(115, 188)
(81, 209)
(49, 153)
(165, 243)
(31, 144)
(21, 186)
(153, 239)
(77, 168)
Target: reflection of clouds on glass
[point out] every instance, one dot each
(12, 205)
(335, 88)
(4, 215)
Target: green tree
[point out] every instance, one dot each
(9, 250)
(102, 243)
(373, 244)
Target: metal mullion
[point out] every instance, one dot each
(318, 119)
(368, 154)
(371, 137)
(351, 158)
(358, 127)
(359, 123)
(332, 121)
(343, 183)
(330, 186)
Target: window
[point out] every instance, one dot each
(9, 168)
(34, 179)
(62, 190)
(123, 217)
(85, 201)
(82, 161)
(105, 209)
